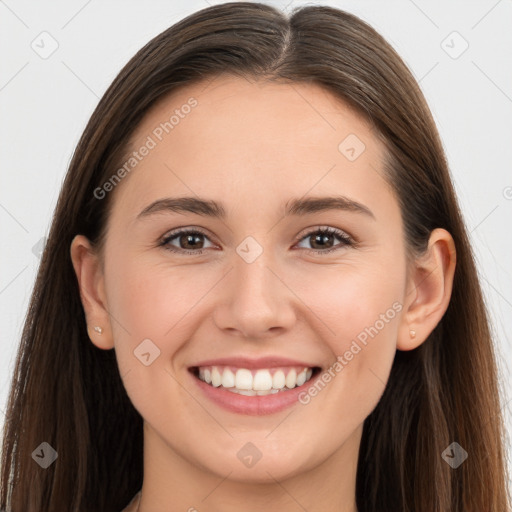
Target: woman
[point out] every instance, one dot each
(324, 345)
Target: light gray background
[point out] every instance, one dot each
(46, 102)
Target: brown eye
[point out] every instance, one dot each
(324, 240)
(187, 241)
(190, 241)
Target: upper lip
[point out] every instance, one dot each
(262, 362)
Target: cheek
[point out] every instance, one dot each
(357, 309)
(156, 302)
(151, 300)
(351, 301)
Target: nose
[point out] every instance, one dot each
(256, 301)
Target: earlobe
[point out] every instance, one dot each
(429, 290)
(86, 264)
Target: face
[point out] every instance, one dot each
(282, 282)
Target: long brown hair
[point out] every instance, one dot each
(68, 393)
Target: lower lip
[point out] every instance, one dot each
(253, 405)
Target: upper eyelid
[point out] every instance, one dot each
(335, 231)
(178, 231)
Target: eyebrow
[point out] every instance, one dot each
(210, 208)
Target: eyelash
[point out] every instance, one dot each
(346, 240)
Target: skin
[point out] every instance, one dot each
(253, 146)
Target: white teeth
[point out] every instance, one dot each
(301, 377)
(267, 392)
(251, 392)
(243, 379)
(278, 380)
(228, 378)
(291, 378)
(216, 378)
(262, 383)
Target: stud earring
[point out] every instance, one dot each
(98, 329)
(412, 333)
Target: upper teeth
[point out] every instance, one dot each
(264, 380)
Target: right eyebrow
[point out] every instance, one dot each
(195, 205)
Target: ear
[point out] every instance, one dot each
(89, 272)
(429, 288)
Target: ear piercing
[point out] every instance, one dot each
(98, 329)
(412, 333)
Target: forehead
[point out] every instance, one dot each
(230, 138)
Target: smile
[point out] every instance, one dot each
(255, 391)
(254, 382)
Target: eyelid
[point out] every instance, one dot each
(331, 229)
(346, 239)
(187, 229)
(164, 240)
(298, 238)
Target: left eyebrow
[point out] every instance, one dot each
(303, 206)
(210, 208)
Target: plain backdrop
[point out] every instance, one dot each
(58, 57)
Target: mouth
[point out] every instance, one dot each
(255, 381)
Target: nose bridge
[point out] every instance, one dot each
(258, 301)
(254, 283)
(253, 279)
